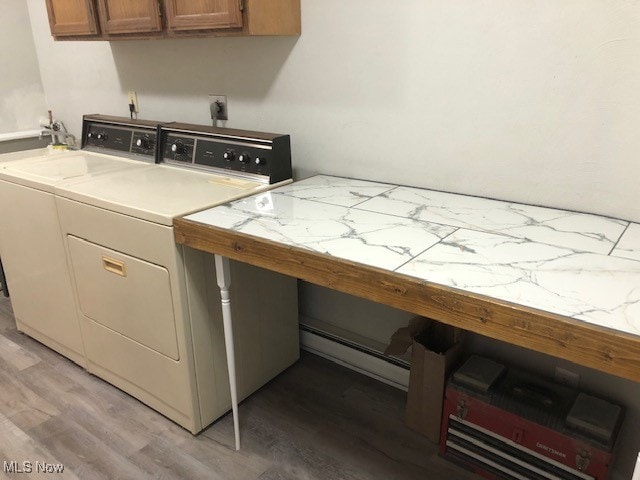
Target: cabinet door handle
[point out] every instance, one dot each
(114, 266)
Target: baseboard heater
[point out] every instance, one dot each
(355, 356)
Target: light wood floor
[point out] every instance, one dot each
(315, 421)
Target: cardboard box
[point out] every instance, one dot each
(435, 348)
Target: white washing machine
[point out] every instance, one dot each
(149, 309)
(30, 155)
(31, 242)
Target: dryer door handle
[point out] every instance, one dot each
(114, 266)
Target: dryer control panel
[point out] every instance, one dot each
(260, 156)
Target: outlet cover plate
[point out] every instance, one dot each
(133, 98)
(219, 103)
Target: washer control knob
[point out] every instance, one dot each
(260, 161)
(177, 147)
(244, 158)
(229, 155)
(143, 143)
(102, 136)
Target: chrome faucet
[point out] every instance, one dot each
(57, 136)
(58, 132)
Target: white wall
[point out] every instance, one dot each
(22, 100)
(535, 101)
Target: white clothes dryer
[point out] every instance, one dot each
(149, 309)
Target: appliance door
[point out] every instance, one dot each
(125, 294)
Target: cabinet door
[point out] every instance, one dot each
(203, 14)
(71, 17)
(129, 16)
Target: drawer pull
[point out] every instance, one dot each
(114, 266)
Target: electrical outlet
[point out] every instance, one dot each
(567, 377)
(133, 99)
(218, 107)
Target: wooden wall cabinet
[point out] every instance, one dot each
(72, 17)
(202, 14)
(129, 16)
(135, 19)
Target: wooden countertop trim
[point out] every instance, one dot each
(596, 347)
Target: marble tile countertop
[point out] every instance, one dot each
(579, 265)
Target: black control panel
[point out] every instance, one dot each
(262, 156)
(137, 138)
(240, 158)
(108, 137)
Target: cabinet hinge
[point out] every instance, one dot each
(159, 9)
(241, 4)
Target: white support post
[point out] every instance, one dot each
(223, 276)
